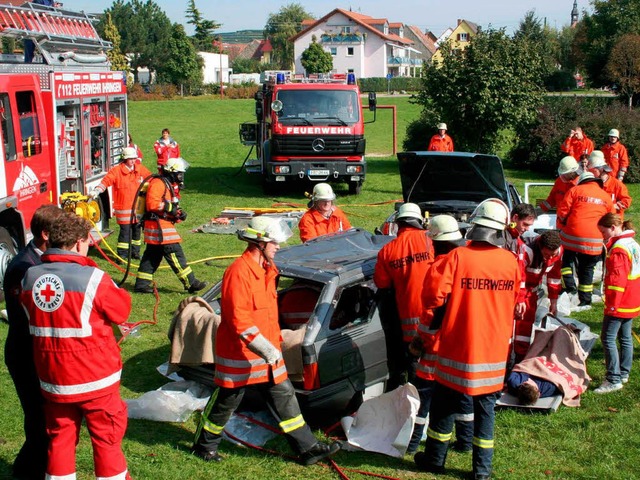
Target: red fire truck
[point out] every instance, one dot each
(308, 128)
(63, 120)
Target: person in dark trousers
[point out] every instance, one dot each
(31, 461)
(247, 348)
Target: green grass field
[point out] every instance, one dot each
(596, 441)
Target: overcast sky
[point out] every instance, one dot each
(432, 15)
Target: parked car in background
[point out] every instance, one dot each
(452, 183)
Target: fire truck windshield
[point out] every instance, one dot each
(318, 107)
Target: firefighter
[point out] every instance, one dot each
(578, 216)
(31, 461)
(578, 145)
(568, 173)
(622, 299)
(247, 348)
(615, 154)
(479, 284)
(614, 187)
(71, 305)
(542, 258)
(163, 211)
(323, 216)
(441, 141)
(445, 234)
(166, 147)
(125, 179)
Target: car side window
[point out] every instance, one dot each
(354, 306)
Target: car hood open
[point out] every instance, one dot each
(452, 177)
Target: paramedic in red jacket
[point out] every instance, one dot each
(614, 187)
(72, 305)
(567, 179)
(543, 257)
(578, 145)
(441, 142)
(323, 216)
(577, 220)
(479, 284)
(125, 180)
(166, 147)
(615, 154)
(247, 347)
(621, 299)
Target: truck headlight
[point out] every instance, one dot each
(282, 169)
(354, 168)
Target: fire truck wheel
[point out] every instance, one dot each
(355, 188)
(8, 250)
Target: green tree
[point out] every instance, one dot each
(183, 65)
(624, 66)
(316, 59)
(116, 57)
(494, 84)
(203, 37)
(280, 28)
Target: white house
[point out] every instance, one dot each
(214, 65)
(359, 44)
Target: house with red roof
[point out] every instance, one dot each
(360, 44)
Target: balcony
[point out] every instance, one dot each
(355, 37)
(414, 62)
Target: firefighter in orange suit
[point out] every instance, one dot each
(71, 306)
(614, 187)
(615, 154)
(163, 211)
(479, 284)
(125, 179)
(567, 179)
(323, 216)
(578, 145)
(247, 347)
(578, 216)
(441, 142)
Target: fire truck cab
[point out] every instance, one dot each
(308, 128)
(63, 120)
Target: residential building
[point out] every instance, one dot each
(459, 38)
(360, 44)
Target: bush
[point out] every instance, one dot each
(560, 81)
(152, 92)
(381, 84)
(419, 132)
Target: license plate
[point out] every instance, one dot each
(319, 173)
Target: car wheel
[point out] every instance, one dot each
(355, 188)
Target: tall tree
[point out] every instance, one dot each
(183, 65)
(203, 37)
(116, 57)
(316, 59)
(494, 84)
(280, 28)
(624, 66)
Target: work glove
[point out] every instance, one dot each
(93, 194)
(181, 215)
(265, 349)
(416, 347)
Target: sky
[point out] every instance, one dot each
(432, 15)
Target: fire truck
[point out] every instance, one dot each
(63, 119)
(308, 129)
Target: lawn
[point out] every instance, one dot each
(598, 440)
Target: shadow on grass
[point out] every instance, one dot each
(136, 372)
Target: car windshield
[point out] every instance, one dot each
(318, 107)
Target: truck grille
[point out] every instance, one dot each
(304, 145)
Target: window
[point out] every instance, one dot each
(349, 51)
(7, 128)
(346, 29)
(333, 51)
(29, 124)
(463, 37)
(354, 307)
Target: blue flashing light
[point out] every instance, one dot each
(279, 78)
(351, 79)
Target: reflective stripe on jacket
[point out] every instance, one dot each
(125, 184)
(479, 284)
(159, 231)
(313, 224)
(619, 194)
(622, 277)
(71, 305)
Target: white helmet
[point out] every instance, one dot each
(568, 165)
(408, 211)
(596, 160)
(444, 228)
(266, 229)
(442, 126)
(492, 213)
(129, 153)
(323, 191)
(176, 165)
(614, 133)
(588, 177)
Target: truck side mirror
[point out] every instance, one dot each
(259, 112)
(373, 101)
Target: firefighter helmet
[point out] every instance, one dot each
(492, 213)
(568, 165)
(444, 228)
(410, 214)
(442, 126)
(614, 133)
(323, 191)
(588, 177)
(176, 165)
(265, 229)
(596, 160)
(129, 153)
